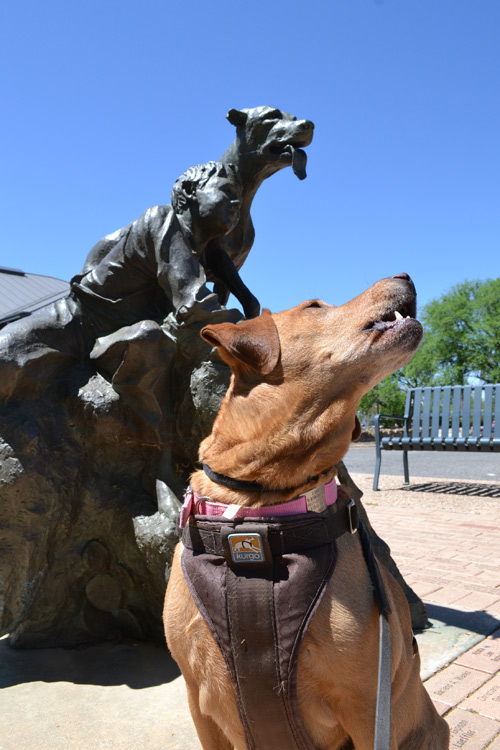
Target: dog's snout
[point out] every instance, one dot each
(306, 125)
(406, 277)
(402, 276)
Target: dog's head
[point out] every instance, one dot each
(269, 139)
(298, 375)
(360, 342)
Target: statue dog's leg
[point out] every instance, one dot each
(221, 265)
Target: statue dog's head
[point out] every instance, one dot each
(269, 139)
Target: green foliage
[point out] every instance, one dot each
(462, 340)
(386, 398)
(462, 337)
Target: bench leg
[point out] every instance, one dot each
(378, 460)
(405, 468)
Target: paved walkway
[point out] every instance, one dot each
(447, 546)
(445, 536)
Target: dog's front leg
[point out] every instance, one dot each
(211, 696)
(209, 733)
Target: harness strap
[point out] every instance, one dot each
(258, 679)
(302, 533)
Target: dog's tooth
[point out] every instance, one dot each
(398, 315)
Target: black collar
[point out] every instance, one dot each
(246, 486)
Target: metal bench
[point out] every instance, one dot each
(449, 418)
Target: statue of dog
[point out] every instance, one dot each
(267, 140)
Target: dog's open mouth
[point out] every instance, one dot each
(394, 319)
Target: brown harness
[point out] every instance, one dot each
(258, 583)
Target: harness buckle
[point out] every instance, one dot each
(201, 499)
(353, 517)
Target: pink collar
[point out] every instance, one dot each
(315, 500)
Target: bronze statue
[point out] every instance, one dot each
(104, 397)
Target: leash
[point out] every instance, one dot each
(383, 710)
(384, 686)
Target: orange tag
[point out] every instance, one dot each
(246, 548)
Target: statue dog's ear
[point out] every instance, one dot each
(254, 343)
(236, 117)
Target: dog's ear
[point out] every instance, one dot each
(252, 342)
(236, 117)
(357, 430)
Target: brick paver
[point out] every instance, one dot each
(448, 549)
(441, 707)
(455, 683)
(477, 600)
(471, 731)
(494, 609)
(484, 656)
(486, 700)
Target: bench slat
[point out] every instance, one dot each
(445, 414)
(408, 412)
(456, 412)
(426, 416)
(464, 431)
(466, 412)
(496, 433)
(478, 402)
(415, 419)
(436, 412)
(487, 415)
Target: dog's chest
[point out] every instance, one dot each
(258, 606)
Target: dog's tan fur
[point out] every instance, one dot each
(290, 413)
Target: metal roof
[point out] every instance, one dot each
(23, 293)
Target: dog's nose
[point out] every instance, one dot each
(407, 278)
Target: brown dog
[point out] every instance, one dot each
(288, 417)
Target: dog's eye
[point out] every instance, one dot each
(275, 115)
(313, 304)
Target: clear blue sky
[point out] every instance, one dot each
(105, 103)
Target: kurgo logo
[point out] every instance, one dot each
(246, 548)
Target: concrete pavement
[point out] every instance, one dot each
(450, 465)
(128, 697)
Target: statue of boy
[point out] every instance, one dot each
(150, 268)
